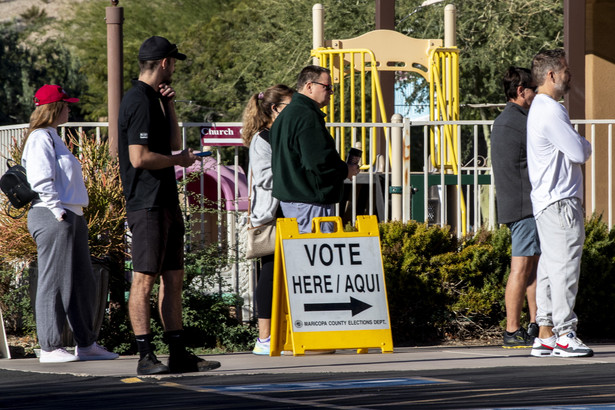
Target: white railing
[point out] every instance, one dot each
(599, 171)
(8, 135)
(427, 194)
(434, 206)
(599, 168)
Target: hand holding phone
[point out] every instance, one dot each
(354, 156)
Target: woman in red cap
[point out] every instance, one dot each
(66, 284)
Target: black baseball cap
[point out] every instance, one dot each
(157, 48)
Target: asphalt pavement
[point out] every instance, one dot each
(342, 361)
(435, 377)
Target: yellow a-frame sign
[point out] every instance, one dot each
(328, 289)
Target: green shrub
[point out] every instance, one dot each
(413, 288)
(597, 283)
(443, 289)
(15, 302)
(439, 287)
(210, 320)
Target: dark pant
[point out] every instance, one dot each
(264, 288)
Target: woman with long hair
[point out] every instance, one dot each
(260, 112)
(66, 285)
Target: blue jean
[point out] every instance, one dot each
(304, 213)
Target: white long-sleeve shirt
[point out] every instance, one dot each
(555, 153)
(263, 206)
(54, 173)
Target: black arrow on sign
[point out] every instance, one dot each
(355, 305)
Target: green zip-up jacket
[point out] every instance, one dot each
(306, 166)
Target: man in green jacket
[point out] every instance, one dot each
(308, 173)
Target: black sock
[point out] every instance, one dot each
(175, 340)
(144, 344)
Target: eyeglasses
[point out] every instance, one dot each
(274, 107)
(328, 87)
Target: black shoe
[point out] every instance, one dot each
(188, 363)
(518, 339)
(532, 330)
(151, 365)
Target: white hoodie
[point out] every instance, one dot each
(54, 173)
(555, 153)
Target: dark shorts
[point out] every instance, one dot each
(524, 237)
(157, 239)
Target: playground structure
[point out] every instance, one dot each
(355, 65)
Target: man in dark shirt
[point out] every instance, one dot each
(148, 132)
(509, 159)
(308, 173)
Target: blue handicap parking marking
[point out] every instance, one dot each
(341, 384)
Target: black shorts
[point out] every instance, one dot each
(157, 239)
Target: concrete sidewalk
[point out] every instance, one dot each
(342, 361)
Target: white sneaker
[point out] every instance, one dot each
(569, 345)
(94, 352)
(57, 356)
(543, 347)
(262, 347)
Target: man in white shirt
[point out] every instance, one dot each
(555, 153)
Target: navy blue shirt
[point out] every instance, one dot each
(142, 122)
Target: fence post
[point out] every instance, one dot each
(318, 27)
(396, 169)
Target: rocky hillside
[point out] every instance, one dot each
(13, 9)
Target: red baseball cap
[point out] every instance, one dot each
(48, 94)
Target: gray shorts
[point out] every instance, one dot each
(524, 237)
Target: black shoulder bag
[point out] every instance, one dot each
(14, 184)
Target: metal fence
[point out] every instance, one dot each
(399, 184)
(405, 172)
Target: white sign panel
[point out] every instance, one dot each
(335, 284)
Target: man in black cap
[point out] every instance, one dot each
(148, 132)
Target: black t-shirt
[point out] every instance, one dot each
(142, 122)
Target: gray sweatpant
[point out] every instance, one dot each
(561, 230)
(66, 284)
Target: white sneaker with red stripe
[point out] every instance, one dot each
(569, 345)
(543, 347)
